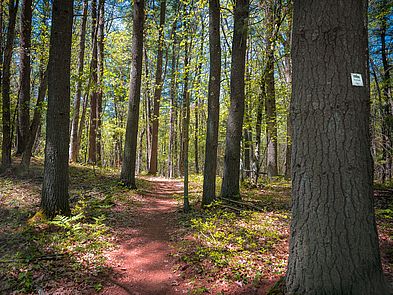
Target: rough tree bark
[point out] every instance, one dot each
(6, 85)
(230, 182)
(25, 69)
(334, 241)
(157, 93)
(74, 147)
(55, 184)
(129, 160)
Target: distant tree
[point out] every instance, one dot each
(129, 160)
(173, 111)
(157, 92)
(93, 95)
(55, 184)
(210, 170)
(270, 104)
(230, 182)
(100, 76)
(74, 146)
(25, 69)
(186, 121)
(6, 84)
(35, 123)
(334, 240)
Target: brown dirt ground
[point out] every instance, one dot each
(142, 263)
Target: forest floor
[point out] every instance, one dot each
(119, 241)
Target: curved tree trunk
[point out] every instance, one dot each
(55, 184)
(129, 161)
(334, 241)
(230, 182)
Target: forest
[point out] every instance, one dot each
(196, 147)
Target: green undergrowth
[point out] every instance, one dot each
(66, 252)
(240, 247)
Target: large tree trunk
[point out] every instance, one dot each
(93, 98)
(55, 185)
(100, 79)
(230, 182)
(35, 123)
(334, 240)
(74, 147)
(6, 85)
(25, 69)
(128, 166)
(157, 93)
(270, 105)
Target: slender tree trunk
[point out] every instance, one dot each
(181, 139)
(334, 241)
(6, 85)
(270, 105)
(247, 142)
(172, 126)
(74, 147)
(230, 183)
(25, 80)
(258, 130)
(288, 78)
(100, 45)
(128, 166)
(210, 167)
(35, 123)
(387, 127)
(82, 123)
(157, 93)
(196, 136)
(55, 184)
(186, 124)
(93, 99)
(198, 80)
(148, 111)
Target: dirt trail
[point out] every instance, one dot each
(142, 263)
